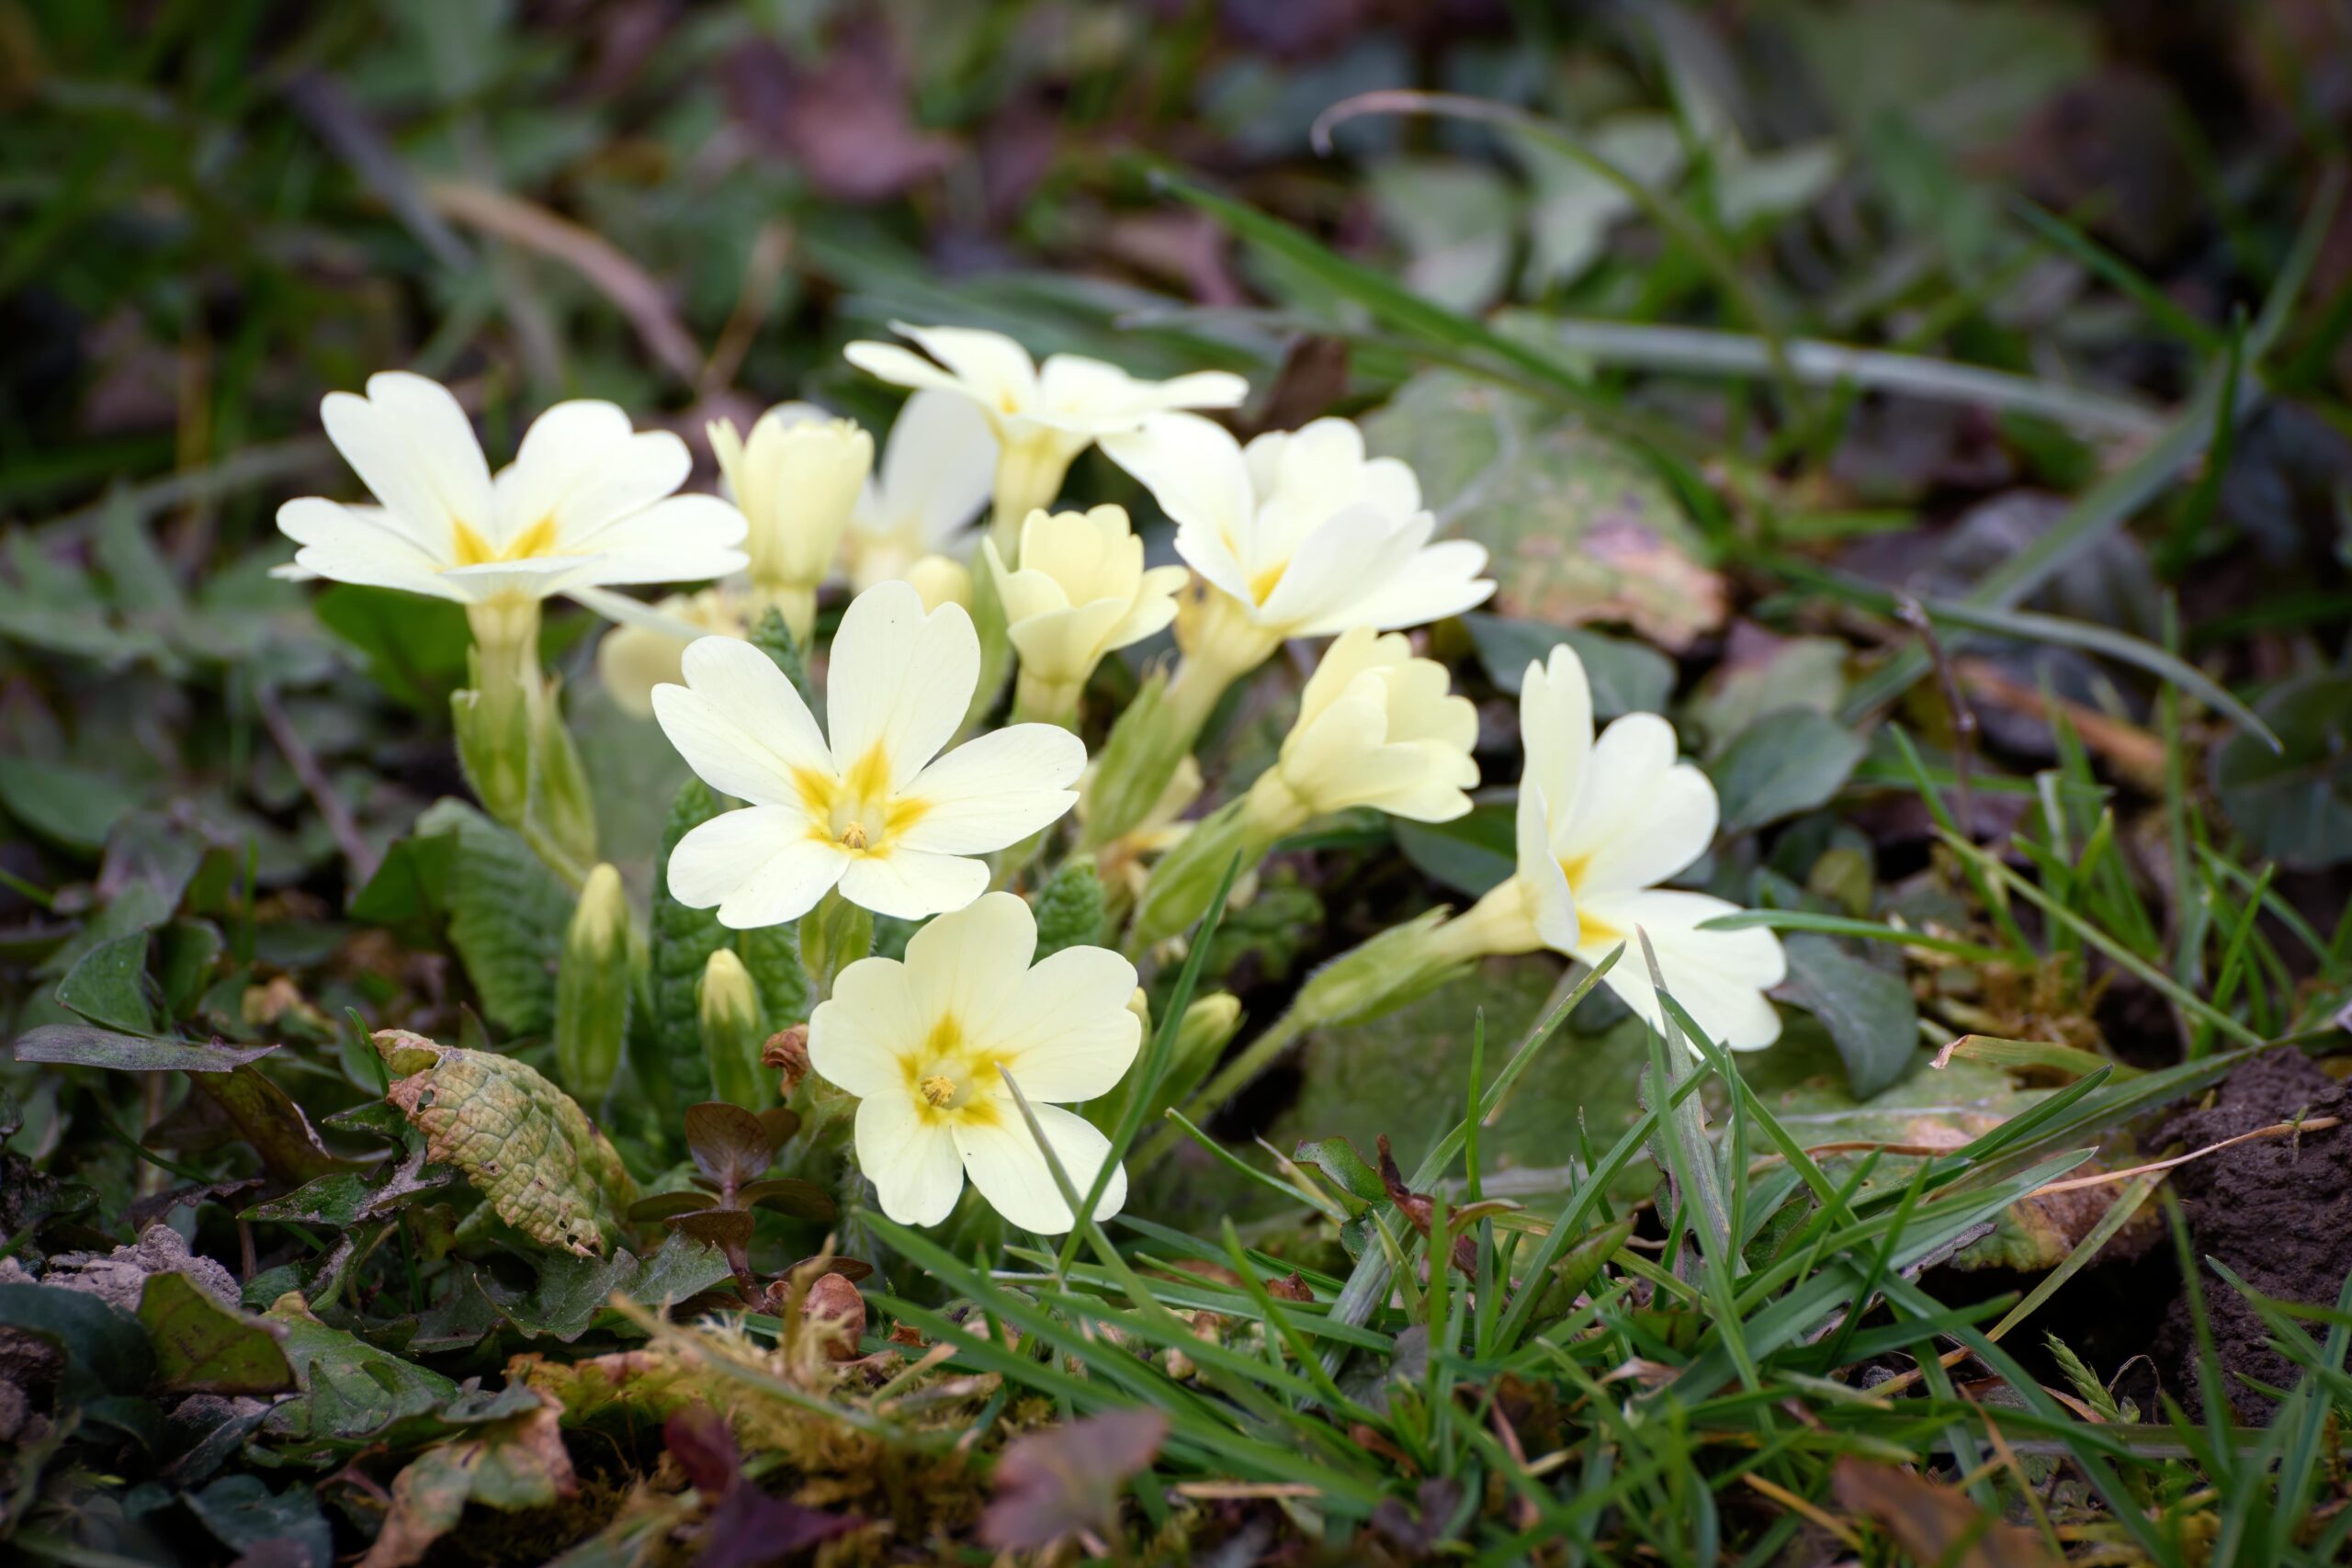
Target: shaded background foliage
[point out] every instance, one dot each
(216, 211)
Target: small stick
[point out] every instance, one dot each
(305, 763)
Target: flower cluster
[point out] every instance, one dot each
(901, 803)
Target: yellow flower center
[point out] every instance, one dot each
(950, 1078)
(1589, 930)
(857, 811)
(1262, 587)
(472, 549)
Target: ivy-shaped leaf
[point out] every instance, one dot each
(524, 1142)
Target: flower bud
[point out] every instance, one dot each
(797, 480)
(727, 1007)
(1081, 592)
(1376, 727)
(1184, 883)
(1385, 972)
(941, 580)
(592, 989)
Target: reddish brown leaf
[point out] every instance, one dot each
(1934, 1523)
(1065, 1479)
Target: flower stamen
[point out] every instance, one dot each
(853, 837)
(939, 1090)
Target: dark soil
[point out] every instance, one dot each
(2278, 1212)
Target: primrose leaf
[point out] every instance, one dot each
(202, 1347)
(1069, 907)
(524, 1142)
(682, 942)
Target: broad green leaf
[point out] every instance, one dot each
(2295, 807)
(73, 807)
(109, 985)
(248, 1517)
(1458, 220)
(202, 1347)
(351, 1394)
(1761, 674)
(1625, 676)
(1868, 1010)
(1791, 761)
(74, 1044)
(573, 1293)
(507, 916)
(413, 647)
(523, 1142)
(103, 1349)
(1471, 854)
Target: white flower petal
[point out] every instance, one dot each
(1347, 559)
(359, 545)
(996, 789)
(688, 538)
(915, 1164)
(1720, 977)
(582, 467)
(912, 884)
(535, 576)
(1555, 726)
(937, 469)
(1065, 1032)
(1010, 1170)
(717, 859)
(414, 449)
(1556, 921)
(864, 1037)
(901, 366)
(961, 965)
(1194, 467)
(990, 365)
(786, 886)
(1628, 765)
(1669, 827)
(740, 724)
(899, 679)
(1442, 581)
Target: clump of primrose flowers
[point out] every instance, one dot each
(887, 791)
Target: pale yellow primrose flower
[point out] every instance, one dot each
(874, 809)
(1081, 592)
(936, 471)
(797, 480)
(634, 659)
(927, 1044)
(1601, 824)
(1301, 532)
(939, 580)
(1376, 727)
(1044, 416)
(588, 502)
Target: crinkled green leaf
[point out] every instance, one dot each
(682, 942)
(507, 916)
(1069, 907)
(1789, 761)
(544, 1169)
(109, 985)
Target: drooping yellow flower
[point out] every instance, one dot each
(1601, 822)
(1082, 590)
(927, 1043)
(1376, 727)
(1044, 416)
(873, 808)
